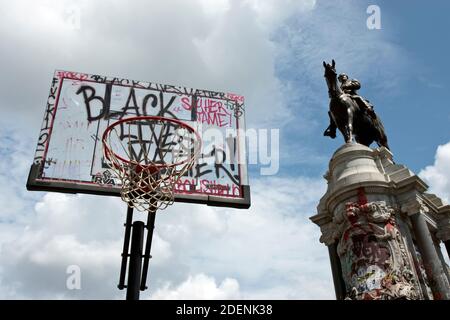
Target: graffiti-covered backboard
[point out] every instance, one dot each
(69, 156)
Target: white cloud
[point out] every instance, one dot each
(438, 175)
(269, 251)
(66, 230)
(218, 45)
(16, 157)
(271, 13)
(199, 287)
(215, 8)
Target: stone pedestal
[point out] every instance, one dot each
(382, 229)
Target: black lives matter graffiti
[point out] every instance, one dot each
(92, 102)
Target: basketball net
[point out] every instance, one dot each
(149, 155)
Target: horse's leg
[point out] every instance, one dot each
(331, 130)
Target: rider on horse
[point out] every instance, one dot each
(349, 87)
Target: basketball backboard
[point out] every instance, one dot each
(69, 156)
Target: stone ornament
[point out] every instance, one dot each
(373, 256)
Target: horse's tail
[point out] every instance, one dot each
(382, 137)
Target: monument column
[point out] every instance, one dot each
(328, 229)
(336, 269)
(369, 218)
(443, 232)
(434, 269)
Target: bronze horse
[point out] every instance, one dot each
(347, 116)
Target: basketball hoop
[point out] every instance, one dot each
(149, 154)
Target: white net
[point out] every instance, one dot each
(149, 155)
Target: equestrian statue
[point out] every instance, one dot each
(353, 115)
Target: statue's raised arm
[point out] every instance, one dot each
(353, 115)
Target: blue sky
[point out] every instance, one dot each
(402, 68)
(419, 28)
(271, 51)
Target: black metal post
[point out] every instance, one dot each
(126, 246)
(134, 271)
(148, 245)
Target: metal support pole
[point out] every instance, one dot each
(433, 265)
(148, 245)
(134, 271)
(126, 246)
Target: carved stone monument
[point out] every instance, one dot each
(382, 229)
